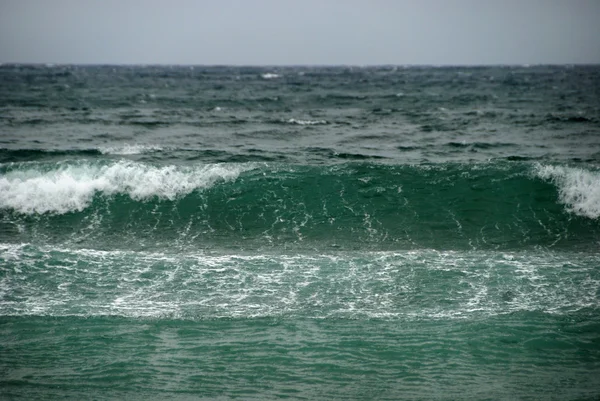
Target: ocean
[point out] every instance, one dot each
(349, 233)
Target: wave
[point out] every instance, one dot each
(480, 145)
(498, 205)
(135, 149)
(332, 154)
(579, 189)
(269, 75)
(67, 187)
(576, 118)
(306, 122)
(20, 155)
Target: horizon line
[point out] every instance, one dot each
(306, 65)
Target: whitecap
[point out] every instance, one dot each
(578, 189)
(129, 149)
(69, 188)
(306, 122)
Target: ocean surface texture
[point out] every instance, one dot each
(305, 233)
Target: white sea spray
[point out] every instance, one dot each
(70, 187)
(578, 189)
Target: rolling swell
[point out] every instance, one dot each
(124, 204)
(21, 155)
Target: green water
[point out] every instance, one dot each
(321, 233)
(492, 358)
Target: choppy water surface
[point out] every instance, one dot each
(309, 233)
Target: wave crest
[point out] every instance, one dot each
(578, 189)
(306, 122)
(68, 187)
(135, 149)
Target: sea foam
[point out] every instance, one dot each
(306, 122)
(129, 149)
(578, 189)
(68, 187)
(348, 285)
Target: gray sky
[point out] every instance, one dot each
(300, 32)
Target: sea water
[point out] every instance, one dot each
(300, 232)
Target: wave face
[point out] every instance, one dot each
(448, 206)
(299, 232)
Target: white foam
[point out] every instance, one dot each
(270, 75)
(69, 188)
(306, 122)
(420, 284)
(578, 189)
(129, 149)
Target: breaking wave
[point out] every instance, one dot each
(360, 204)
(67, 187)
(578, 189)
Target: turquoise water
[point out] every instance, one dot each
(299, 232)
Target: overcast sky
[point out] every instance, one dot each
(300, 32)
